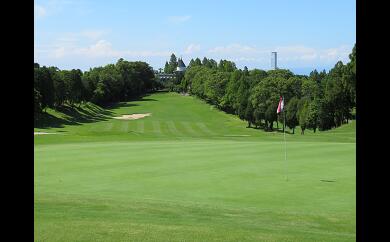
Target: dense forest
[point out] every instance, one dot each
(101, 85)
(321, 100)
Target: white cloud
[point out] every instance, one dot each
(93, 34)
(288, 56)
(296, 53)
(53, 7)
(59, 52)
(339, 53)
(249, 59)
(39, 11)
(192, 48)
(100, 49)
(234, 49)
(179, 19)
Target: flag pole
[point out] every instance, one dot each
(285, 144)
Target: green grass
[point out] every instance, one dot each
(189, 173)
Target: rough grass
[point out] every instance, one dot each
(189, 173)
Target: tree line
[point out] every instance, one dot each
(321, 100)
(121, 81)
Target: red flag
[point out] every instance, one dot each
(281, 105)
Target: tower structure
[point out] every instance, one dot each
(274, 61)
(181, 67)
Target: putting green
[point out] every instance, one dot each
(190, 172)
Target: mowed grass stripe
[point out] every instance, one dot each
(100, 127)
(188, 128)
(140, 126)
(125, 126)
(205, 129)
(227, 175)
(108, 126)
(189, 182)
(172, 129)
(156, 127)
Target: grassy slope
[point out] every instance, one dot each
(180, 175)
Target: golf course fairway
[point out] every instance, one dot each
(189, 172)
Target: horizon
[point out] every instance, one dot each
(295, 71)
(86, 34)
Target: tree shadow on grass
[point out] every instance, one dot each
(281, 131)
(46, 120)
(277, 130)
(128, 103)
(119, 105)
(73, 116)
(142, 98)
(87, 113)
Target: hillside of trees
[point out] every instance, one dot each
(100, 85)
(319, 101)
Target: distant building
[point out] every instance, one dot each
(178, 73)
(274, 60)
(181, 67)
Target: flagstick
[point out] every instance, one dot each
(285, 144)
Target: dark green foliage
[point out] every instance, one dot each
(312, 119)
(101, 85)
(72, 84)
(291, 112)
(249, 115)
(227, 66)
(318, 101)
(205, 62)
(172, 64)
(326, 115)
(230, 102)
(43, 83)
(310, 89)
(192, 63)
(302, 114)
(256, 76)
(214, 87)
(59, 89)
(270, 115)
(37, 101)
(166, 68)
(198, 62)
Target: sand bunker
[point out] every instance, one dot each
(133, 116)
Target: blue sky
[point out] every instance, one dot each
(83, 34)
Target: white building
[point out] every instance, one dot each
(181, 67)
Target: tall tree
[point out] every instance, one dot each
(291, 111)
(59, 87)
(172, 63)
(312, 119)
(302, 114)
(198, 62)
(44, 85)
(166, 68)
(249, 116)
(37, 101)
(205, 62)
